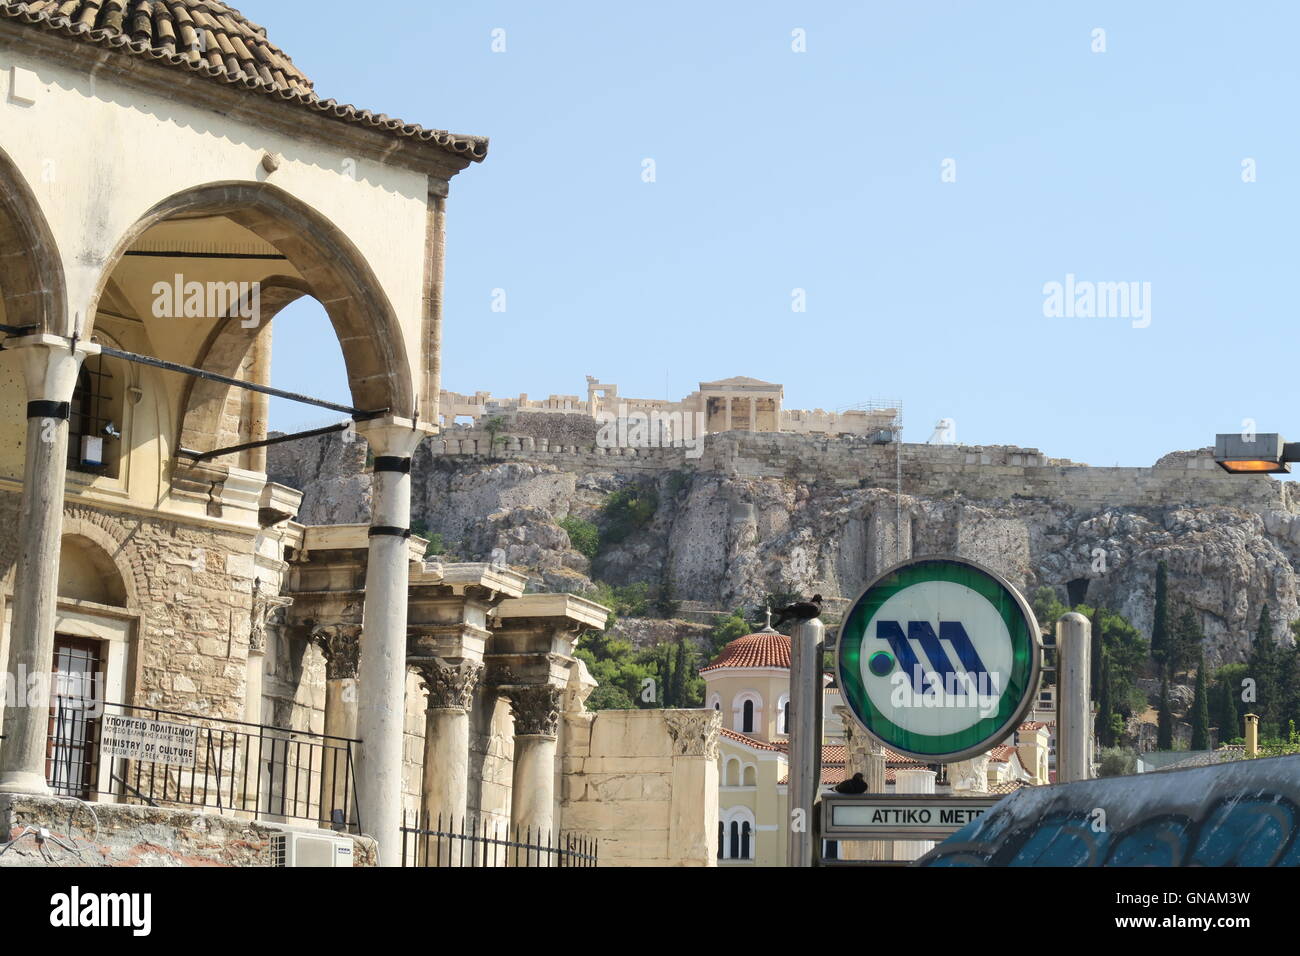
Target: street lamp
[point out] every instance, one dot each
(1261, 454)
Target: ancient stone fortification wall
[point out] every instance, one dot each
(981, 472)
(644, 783)
(189, 589)
(139, 836)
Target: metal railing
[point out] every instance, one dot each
(475, 845)
(226, 765)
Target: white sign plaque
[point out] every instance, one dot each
(146, 740)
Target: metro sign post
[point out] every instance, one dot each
(939, 659)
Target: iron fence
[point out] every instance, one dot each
(473, 844)
(226, 765)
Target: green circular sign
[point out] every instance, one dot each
(938, 659)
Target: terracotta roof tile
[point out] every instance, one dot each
(750, 741)
(213, 40)
(754, 650)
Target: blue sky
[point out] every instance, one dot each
(821, 171)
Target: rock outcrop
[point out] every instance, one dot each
(759, 514)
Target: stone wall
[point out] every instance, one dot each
(188, 585)
(119, 835)
(644, 783)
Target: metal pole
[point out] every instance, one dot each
(1073, 698)
(806, 647)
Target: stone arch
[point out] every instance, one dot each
(32, 285)
(332, 269)
(225, 351)
(103, 533)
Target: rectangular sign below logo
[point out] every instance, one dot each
(923, 817)
(146, 740)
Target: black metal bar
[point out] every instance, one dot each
(278, 439)
(227, 380)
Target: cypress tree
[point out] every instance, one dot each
(1201, 711)
(1096, 652)
(1160, 620)
(1105, 707)
(1264, 667)
(1164, 718)
(1225, 710)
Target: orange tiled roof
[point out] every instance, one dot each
(211, 39)
(754, 650)
(750, 741)
(1001, 754)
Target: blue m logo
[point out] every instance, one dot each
(922, 634)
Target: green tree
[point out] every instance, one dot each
(1105, 725)
(626, 512)
(1230, 710)
(1164, 718)
(1047, 609)
(1117, 762)
(494, 426)
(584, 537)
(1096, 653)
(726, 630)
(1160, 618)
(1201, 710)
(1185, 641)
(1265, 665)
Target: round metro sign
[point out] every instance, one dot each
(939, 659)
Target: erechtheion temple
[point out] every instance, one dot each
(169, 181)
(739, 403)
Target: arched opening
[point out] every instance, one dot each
(198, 280)
(747, 717)
(732, 776)
(734, 853)
(86, 573)
(750, 778)
(745, 841)
(32, 290)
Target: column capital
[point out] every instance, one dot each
(694, 732)
(50, 364)
(450, 684)
(341, 645)
(536, 709)
(265, 607)
(391, 437)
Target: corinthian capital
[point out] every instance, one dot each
(450, 685)
(341, 645)
(694, 732)
(536, 709)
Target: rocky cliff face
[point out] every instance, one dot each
(761, 514)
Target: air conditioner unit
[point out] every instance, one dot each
(310, 849)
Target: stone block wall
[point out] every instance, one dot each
(644, 783)
(120, 835)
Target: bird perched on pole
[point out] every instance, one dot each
(854, 784)
(799, 611)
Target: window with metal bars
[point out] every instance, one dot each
(92, 447)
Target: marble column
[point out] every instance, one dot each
(913, 781)
(753, 415)
(445, 784)
(340, 645)
(50, 364)
(728, 418)
(381, 676)
(250, 761)
(864, 755)
(536, 711)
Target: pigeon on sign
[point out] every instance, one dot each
(799, 611)
(854, 784)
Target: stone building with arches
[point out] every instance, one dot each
(169, 181)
